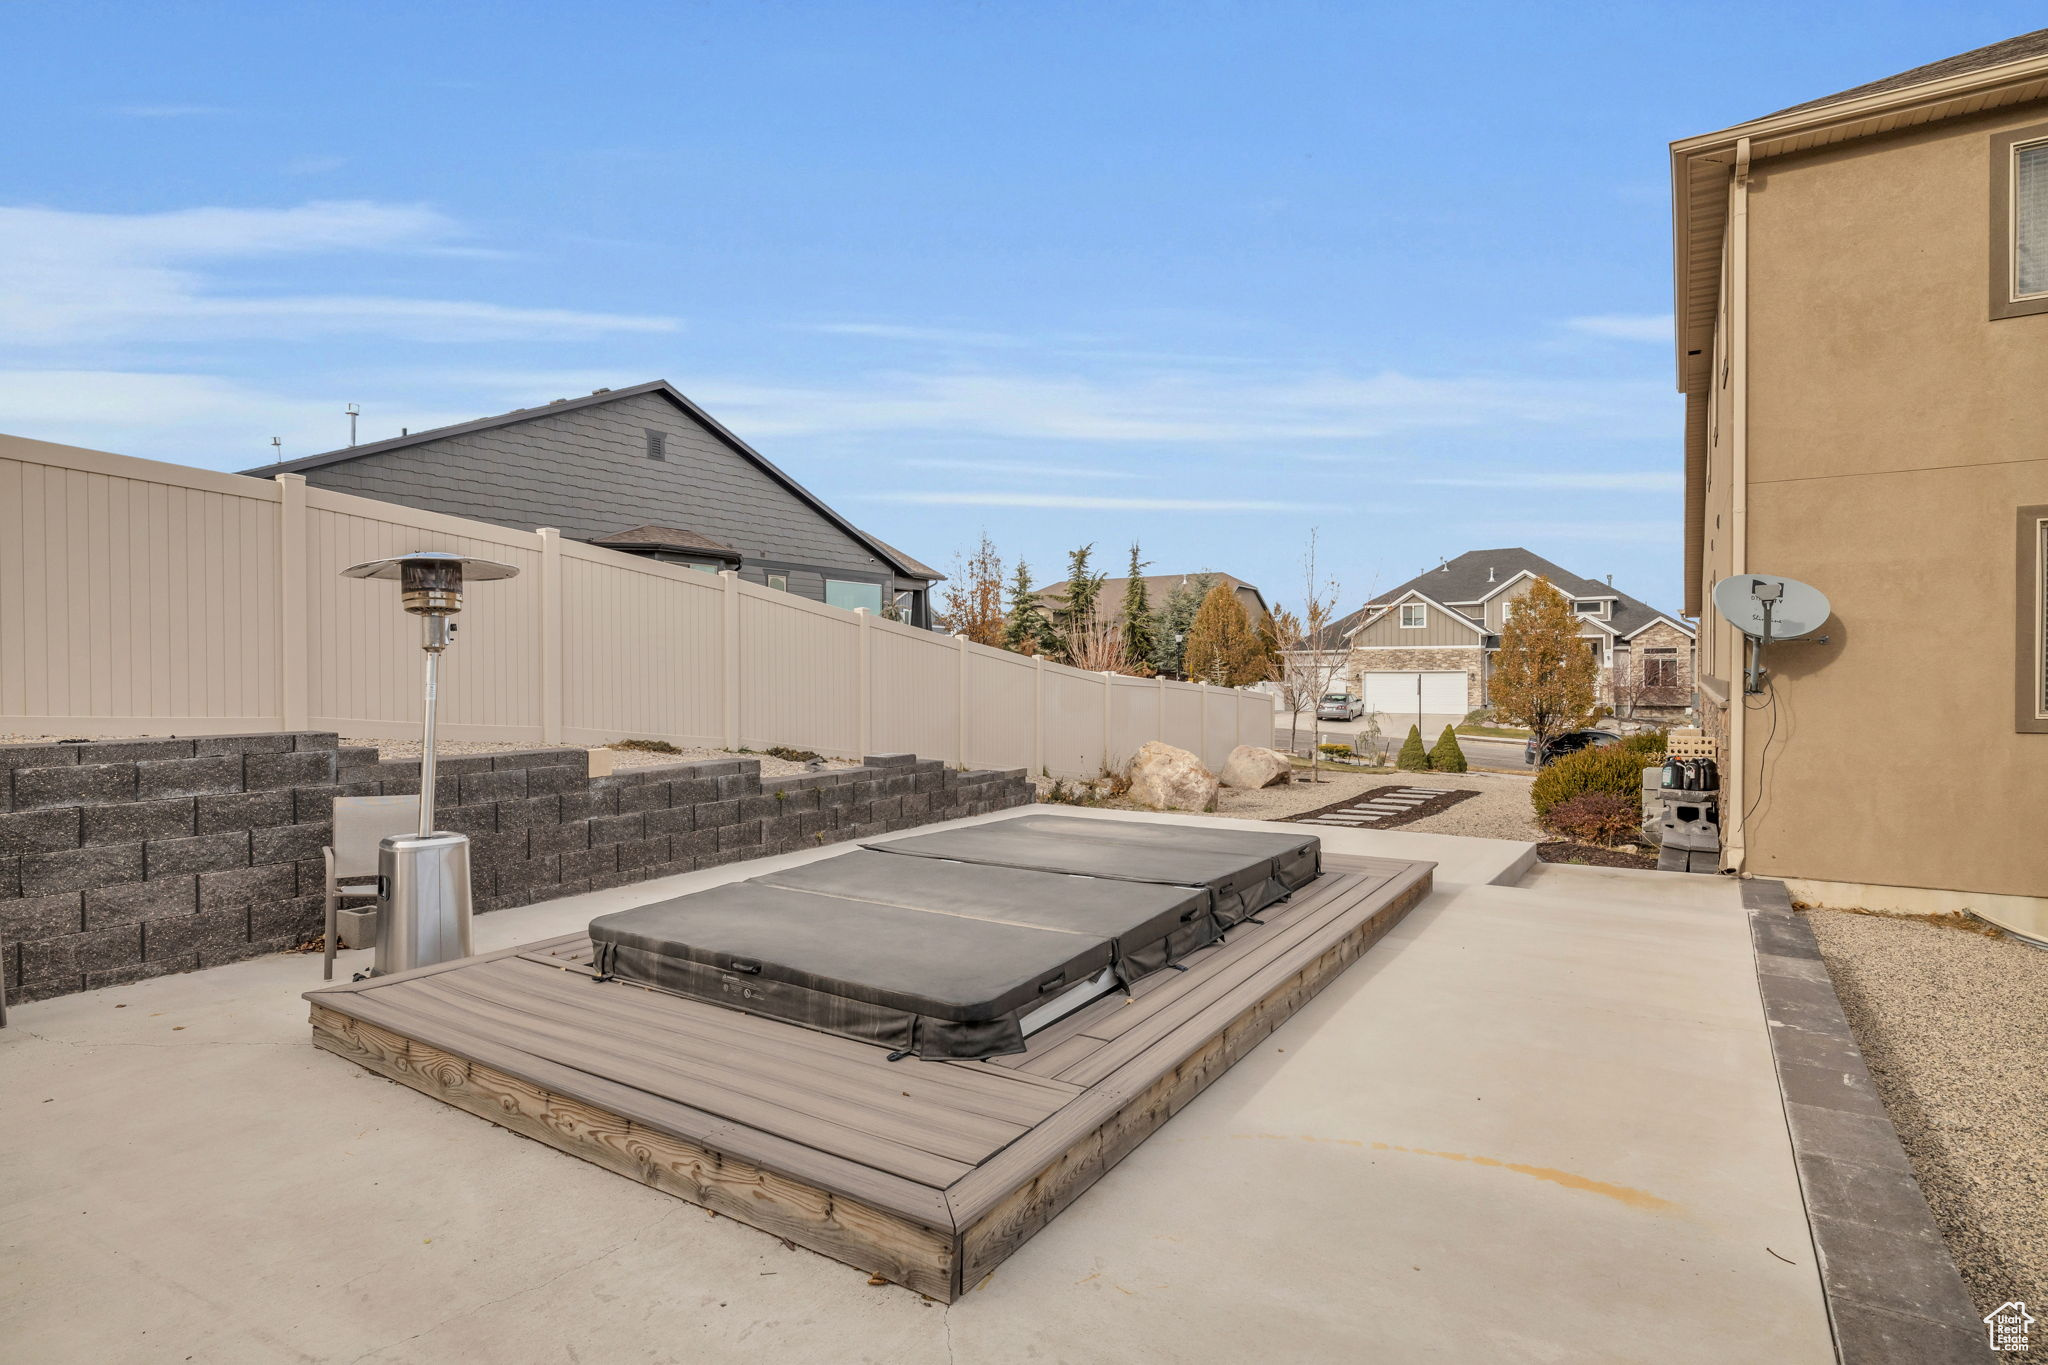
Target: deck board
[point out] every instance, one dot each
(926, 1172)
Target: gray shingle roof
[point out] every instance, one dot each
(667, 538)
(1474, 574)
(2026, 45)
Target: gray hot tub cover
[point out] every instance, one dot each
(938, 958)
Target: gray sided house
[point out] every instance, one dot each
(641, 470)
(1426, 647)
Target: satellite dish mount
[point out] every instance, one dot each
(1770, 610)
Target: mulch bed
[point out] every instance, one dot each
(1565, 851)
(1435, 805)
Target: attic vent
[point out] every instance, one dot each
(657, 444)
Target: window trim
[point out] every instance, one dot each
(777, 581)
(2005, 149)
(1421, 612)
(2030, 599)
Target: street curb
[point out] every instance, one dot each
(1893, 1294)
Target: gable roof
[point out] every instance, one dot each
(1381, 605)
(903, 564)
(1158, 587)
(2026, 45)
(1476, 575)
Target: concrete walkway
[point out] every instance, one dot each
(1535, 1123)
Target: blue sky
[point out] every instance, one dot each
(1202, 275)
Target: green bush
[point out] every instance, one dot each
(1414, 758)
(1447, 757)
(1481, 716)
(1597, 818)
(1616, 769)
(1336, 750)
(1649, 742)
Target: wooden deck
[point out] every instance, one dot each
(927, 1173)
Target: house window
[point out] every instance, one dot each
(839, 593)
(2019, 222)
(2031, 712)
(657, 444)
(1590, 608)
(1414, 616)
(1660, 672)
(779, 582)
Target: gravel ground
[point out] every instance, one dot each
(1500, 811)
(1954, 1026)
(448, 748)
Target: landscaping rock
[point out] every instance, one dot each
(1166, 778)
(1249, 768)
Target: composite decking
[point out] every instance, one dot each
(928, 1173)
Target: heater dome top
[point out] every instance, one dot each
(473, 569)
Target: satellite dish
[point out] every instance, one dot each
(1766, 607)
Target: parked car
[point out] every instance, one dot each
(1569, 742)
(1340, 706)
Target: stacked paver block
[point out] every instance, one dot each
(125, 859)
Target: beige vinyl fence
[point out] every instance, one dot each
(146, 598)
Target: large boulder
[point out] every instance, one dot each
(1249, 768)
(1166, 778)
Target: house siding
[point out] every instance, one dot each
(1440, 629)
(586, 472)
(1893, 429)
(1470, 661)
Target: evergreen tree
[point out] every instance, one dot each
(1222, 649)
(1074, 614)
(1447, 756)
(1176, 619)
(1140, 627)
(1414, 758)
(1027, 631)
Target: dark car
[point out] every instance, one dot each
(1568, 743)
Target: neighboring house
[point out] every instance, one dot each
(1426, 647)
(641, 470)
(1862, 336)
(1109, 604)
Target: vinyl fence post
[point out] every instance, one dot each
(863, 701)
(729, 658)
(294, 583)
(960, 662)
(551, 643)
(1108, 711)
(1037, 714)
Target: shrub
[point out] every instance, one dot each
(1336, 750)
(1414, 758)
(1596, 817)
(1480, 716)
(1616, 769)
(645, 746)
(1447, 757)
(1648, 743)
(787, 754)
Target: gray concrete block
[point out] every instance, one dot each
(315, 739)
(712, 814)
(73, 785)
(200, 853)
(489, 787)
(470, 820)
(134, 821)
(96, 951)
(732, 786)
(129, 750)
(40, 831)
(1844, 1088)
(244, 886)
(37, 755)
(44, 874)
(888, 760)
(307, 768)
(1867, 1335)
(139, 971)
(30, 917)
(616, 829)
(528, 811)
(555, 780)
(188, 934)
(1894, 1270)
(586, 863)
(743, 834)
(694, 844)
(645, 797)
(135, 901)
(244, 810)
(567, 837)
(188, 777)
(1845, 1135)
(686, 791)
(290, 922)
(216, 745)
(289, 843)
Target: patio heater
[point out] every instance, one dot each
(423, 902)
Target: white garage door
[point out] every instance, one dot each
(1403, 694)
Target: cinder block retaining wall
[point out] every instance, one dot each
(125, 859)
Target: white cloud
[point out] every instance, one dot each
(1026, 469)
(1081, 503)
(1625, 326)
(69, 277)
(1615, 482)
(1243, 407)
(192, 418)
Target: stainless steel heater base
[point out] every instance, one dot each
(423, 903)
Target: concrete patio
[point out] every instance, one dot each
(1538, 1121)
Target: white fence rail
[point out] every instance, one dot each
(146, 598)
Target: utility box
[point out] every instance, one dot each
(357, 928)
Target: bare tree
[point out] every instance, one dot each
(1098, 647)
(1310, 658)
(974, 595)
